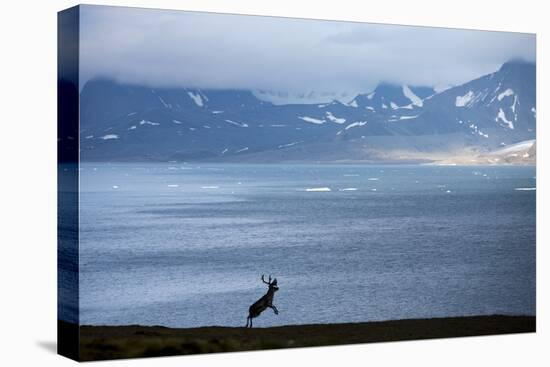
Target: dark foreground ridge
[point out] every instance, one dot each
(113, 342)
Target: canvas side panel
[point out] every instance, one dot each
(67, 182)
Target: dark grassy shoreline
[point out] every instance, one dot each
(114, 342)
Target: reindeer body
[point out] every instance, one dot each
(263, 303)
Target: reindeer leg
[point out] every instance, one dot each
(248, 318)
(274, 309)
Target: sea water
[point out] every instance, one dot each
(184, 245)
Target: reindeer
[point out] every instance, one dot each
(266, 301)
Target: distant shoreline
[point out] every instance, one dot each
(134, 341)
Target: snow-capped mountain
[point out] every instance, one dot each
(130, 122)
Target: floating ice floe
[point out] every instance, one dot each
(210, 187)
(525, 188)
(373, 179)
(318, 189)
(146, 122)
(109, 137)
(349, 189)
(115, 187)
(173, 185)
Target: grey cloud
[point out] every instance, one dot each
(174, 48)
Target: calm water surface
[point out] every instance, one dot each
(184, 245)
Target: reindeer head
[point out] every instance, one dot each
(272, 284)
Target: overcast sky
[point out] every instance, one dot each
(176, 48)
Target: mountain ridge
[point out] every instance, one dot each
(131, 122)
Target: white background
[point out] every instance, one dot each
(28, 182)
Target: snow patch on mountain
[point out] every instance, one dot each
(462, 101)
(311, 120)
(506, 93)
(517, 147)
(196, 98)
(335, 119)
(415, 100)
(288, 145)
(239, 124)
(502, 116)
(356, 124)
(164, 103)
(395, 118)
(408, 117)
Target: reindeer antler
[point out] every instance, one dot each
(268, 282)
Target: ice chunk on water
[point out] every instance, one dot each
(318, 189)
